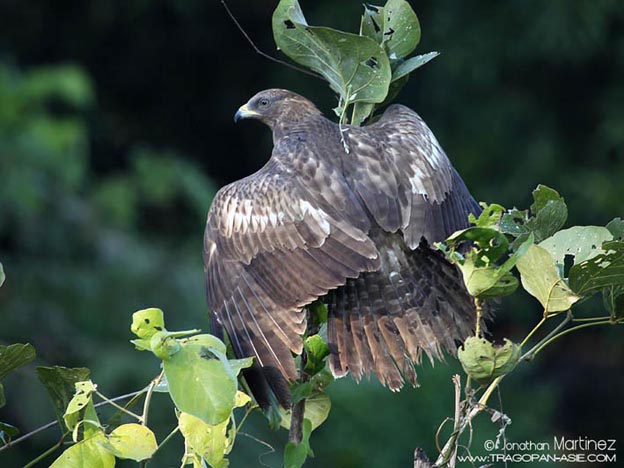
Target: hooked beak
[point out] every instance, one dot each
(243, 113)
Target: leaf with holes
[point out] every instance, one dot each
(484, 361)
(616, 228)
(581, 242)
(60, 382)
(395, 26)
(79, 402)
(602, 271)
(356, 67)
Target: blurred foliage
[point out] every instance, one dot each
(103, 201)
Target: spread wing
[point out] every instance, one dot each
(405, 179)
(274, 242)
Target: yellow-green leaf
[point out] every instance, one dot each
(79, 401)
(542, 280)
(132, 441)
(209, 441)
(146, 322)
(316, 411)
(484, 361)
(88, 453)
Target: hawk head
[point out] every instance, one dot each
(276, 106)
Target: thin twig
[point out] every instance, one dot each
(146, 407)
(48, 452)
(479, 313)
(120, 408)
(264, 54)
(570, 330)
(457, 384)
(55, 422)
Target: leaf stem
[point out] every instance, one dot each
(531, 353)
(146, 407)
(535, 328)
(573, 329)
(166, 440)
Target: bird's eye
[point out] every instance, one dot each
(264, 102)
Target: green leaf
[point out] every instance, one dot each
(411, 64)
(317, 409)
(79, 402)
(615, 227)
(318, 313)
(484, 361)
(209, 441)
(295, 454)
(2, 397)
(147, 322)
(540, 278)
(132, 442)
(316, 352)
(204, 341)
(163, 345)
(543, 195)
(2, 275)
(202, 387)
(86, 453)
(241, 399)
(7, 432)
(489, 217)
(395, 26)
(356, 67)
(60, 383)
(90, 421)
(602, 271)
(513, 223)
(483, 276)
(317, 384)
(582, 242)
(361, 111)
(15, 356)
(550, 213)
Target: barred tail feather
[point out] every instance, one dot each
(383, 321)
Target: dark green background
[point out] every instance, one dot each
(116, 130)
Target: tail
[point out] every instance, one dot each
(382, 321)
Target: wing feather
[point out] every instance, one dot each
(273, 244)
(405, 180)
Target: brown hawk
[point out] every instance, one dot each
(351, 228)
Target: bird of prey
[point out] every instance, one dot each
(352, 229)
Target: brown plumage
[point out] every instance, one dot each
(353, 229)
